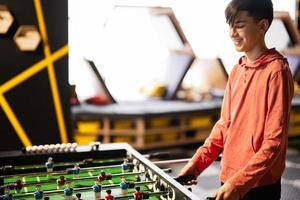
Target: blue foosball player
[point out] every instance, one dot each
(49, 165)
(68, 192)
(127, 166)
(124, 186)
(76, 171)
(97, 189)
(7, 195)
(38, 194)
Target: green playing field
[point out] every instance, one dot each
(48, 184)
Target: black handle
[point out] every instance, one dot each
(159, 155)
(185, 179)
(210, 198)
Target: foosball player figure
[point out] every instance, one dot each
(127, 166)
(7, 195)
(49, 165)
(38, 194)
(78, 196)
(124, 186)
(76, 171)
(61, 181)
(97, 189)
(137, 194)
(108, 195)
(130, 158)
(68, 192)
(103, 176)
(18, 185)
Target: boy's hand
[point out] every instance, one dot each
(227, 192)
(190, 169)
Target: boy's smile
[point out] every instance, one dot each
(246, 33)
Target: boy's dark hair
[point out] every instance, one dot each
(257, 9)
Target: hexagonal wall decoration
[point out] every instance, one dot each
(6, 19)
(27, 38)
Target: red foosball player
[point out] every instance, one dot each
(137, 194)
(18, 185)
(61, 181)
(102, 176)
(109, 196)
(78, 196)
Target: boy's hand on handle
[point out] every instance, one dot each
(227, 192)
(190, 169)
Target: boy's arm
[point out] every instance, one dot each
(213, 145)
(279, 102)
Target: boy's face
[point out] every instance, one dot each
(246, 33)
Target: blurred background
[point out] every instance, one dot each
(132, 46)
(149, 73)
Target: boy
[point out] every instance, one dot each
(253, 126)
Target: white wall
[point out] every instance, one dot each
(202, 21)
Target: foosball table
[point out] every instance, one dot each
(96, 171)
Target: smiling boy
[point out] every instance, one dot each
(252, 130)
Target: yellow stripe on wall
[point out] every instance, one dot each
(18, 80)
(32, 70)
(14, 121)
(51, 72)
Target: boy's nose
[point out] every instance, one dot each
(232, 32)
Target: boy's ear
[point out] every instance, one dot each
(263, 25)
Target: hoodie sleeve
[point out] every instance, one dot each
(213, 145)
(275, 133)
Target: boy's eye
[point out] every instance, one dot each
(239, 26)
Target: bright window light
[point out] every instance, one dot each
(131, 47)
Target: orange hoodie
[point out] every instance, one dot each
(253, 127)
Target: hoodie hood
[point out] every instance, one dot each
(262, 60)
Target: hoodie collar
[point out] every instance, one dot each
(262, 60)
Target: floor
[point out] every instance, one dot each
(208, 181)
